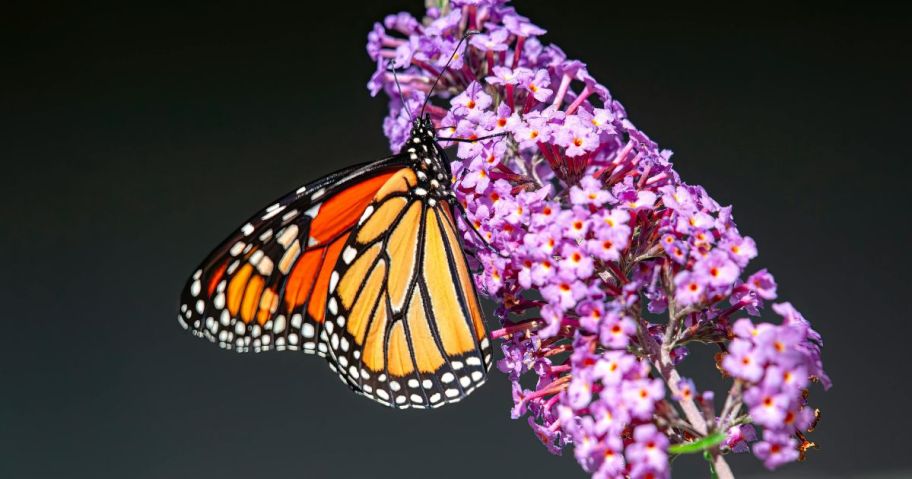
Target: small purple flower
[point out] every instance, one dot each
(776, 449)
(532, 131)
(649, 447)
(738, 438)
(763, 284)
(496, 41)
(745, 329)
(615, 331)
(565, 292)
(613, 367)
(768, 407)
(743, 361)
(689, 288)
(792, 379)
(575, 262)
(718, 269)
(740, 249)
(642, 200)
(576, 137)
(516, 356)
(509, 76)
(579, 393)
(686, 390)
(472, 101)
(589, 191)
(520, 25)
(537, 85)
(641, 396)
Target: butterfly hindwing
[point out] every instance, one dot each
(407, 327)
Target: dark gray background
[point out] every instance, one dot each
(135, 137)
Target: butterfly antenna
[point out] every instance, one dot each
(389, 67)
(446, 68)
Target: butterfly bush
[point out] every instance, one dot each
(605, 265)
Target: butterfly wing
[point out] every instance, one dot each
(265, 287)
(405, 327)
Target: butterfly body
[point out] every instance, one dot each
(363, 267)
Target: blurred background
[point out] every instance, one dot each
(134, 137)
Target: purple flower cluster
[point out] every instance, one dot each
(775, 363)
(590, 235)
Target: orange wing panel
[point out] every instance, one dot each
(465, 279)
(301, 278)
(215, 278)
(317, 305)
(345, 208)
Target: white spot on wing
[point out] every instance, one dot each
(367, 212)
(265, 266)
(313, 210)
(349, 254)
(219, 301)
(195, 287)
(247, 229)
(287, 235)
(291, 214)
(256, 257)
(333, 281)
(307, 330)
(276, 209)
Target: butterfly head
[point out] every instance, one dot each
(423, 129)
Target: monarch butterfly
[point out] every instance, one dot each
(363, 267)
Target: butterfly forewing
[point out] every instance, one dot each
(265, 286)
